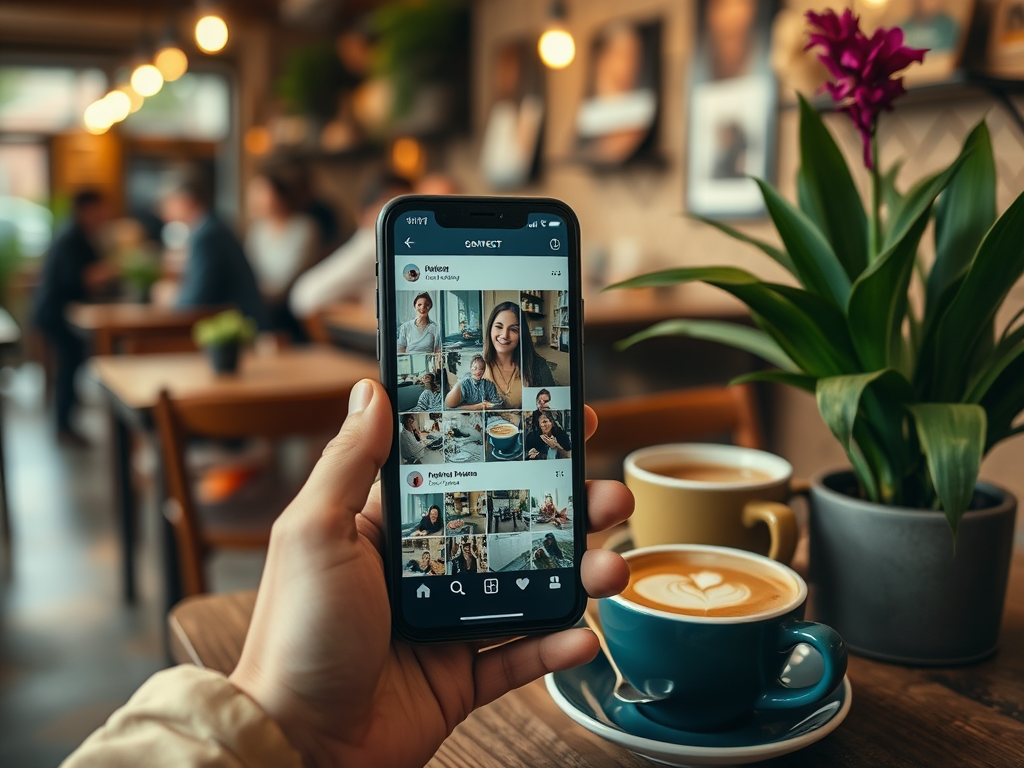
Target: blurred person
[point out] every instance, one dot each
(430, 567)
(217, 271)
(348, 272)
(411, 442)
(323, 215)
(730, 36)
(72, 271)
(466, 562)
(282, 243)
(321, 679)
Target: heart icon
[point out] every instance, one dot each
(521, 583)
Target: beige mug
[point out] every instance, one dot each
(724, 495)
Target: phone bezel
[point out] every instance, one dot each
(458, 208)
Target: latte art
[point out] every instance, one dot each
(702, 591)
(706, 584)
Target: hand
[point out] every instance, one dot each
(533, 453)
(319, 656)
(551, 442)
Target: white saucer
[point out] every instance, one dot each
(584, 694)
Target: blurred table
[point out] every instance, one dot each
(350, 326)
(901, 716)
(132, 384)
(112, 327)
(10, 335)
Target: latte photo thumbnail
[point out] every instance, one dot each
(503, 436)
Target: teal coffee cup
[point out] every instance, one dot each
(710, 630)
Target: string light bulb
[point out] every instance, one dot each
(97, 117)
(172, 63)
(211, 33)
(556, 47)
(135, 101)
(147, 80)
(119, 106)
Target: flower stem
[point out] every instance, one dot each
(875, 230)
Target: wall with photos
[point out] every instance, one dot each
(633, 217)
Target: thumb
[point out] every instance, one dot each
(340, 482)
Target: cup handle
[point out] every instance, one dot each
(781, 524)
(825, 641)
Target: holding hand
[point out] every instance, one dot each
(319, 656)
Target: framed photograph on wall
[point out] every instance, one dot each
(1006, 40)
(733, 108)
(511, 151)
(617, 120)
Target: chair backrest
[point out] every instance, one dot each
(252, 416)
(687, 415)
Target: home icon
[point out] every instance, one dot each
(423, 591)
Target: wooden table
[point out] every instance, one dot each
(111, 326)
(350, 326)
(902, 717)
(10, 335)
(132, 384)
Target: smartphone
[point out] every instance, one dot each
(480, 346)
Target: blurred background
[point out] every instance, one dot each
(635, 113)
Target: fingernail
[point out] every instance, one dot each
(360, 397)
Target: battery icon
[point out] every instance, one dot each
(554, 223)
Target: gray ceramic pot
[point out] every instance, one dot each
(887, 578)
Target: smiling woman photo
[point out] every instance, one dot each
(421, 334)
(510, 357)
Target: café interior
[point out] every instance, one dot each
(298, 119)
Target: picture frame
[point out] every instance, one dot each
(617, 120)
(733, 109)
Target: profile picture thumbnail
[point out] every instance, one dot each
(415, 479)
(411, 273)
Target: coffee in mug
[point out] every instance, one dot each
(708, 630)
(723, 495)
(503, 430)
(711, 473)
(699, 584)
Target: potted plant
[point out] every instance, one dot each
(909, 552)
(221, 336)
(139, 273)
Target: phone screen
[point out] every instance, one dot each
(484, 499)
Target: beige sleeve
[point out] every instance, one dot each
(187, 716)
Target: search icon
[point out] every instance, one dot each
(457, 588)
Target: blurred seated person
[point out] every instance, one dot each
(72, 271)
(282, 242)
(347, 274)
(217, 272)
(411, 442)
(430, 398)
(466, 561)
(322, 215)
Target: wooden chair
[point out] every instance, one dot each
(245, 520)
(687, 415)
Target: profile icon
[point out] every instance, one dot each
(411, 272)
(415, 479)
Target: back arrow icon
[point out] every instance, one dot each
(409, 242)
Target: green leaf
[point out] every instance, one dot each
(952, 438)
(794, 328)
(997, 265)
(817, 266)
(839, 402)
(743, 337)
(878, 301)
(965, 212)
(827, 193)
(919, 199)
(775, 253)
(1009, 350)
(891, 197)
(797, 380)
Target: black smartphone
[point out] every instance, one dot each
(480, 345)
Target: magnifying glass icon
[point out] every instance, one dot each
(457, 588)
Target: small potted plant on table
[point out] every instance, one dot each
(222, 336)
(910, 554)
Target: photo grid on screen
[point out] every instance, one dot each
(483, 378)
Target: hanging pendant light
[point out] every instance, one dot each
(556, 47)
